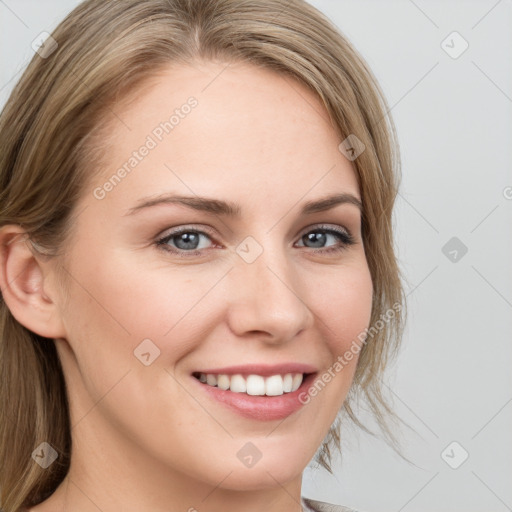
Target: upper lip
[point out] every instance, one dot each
(261, 369)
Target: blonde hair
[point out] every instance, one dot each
(106, 50)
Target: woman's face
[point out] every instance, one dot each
(277, 283)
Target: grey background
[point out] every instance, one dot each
(452, 381)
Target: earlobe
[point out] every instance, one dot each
(22, 280)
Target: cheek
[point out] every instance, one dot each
(345, 306)
(132, 302)
(115, 308)
(344, 311)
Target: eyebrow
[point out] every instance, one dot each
(227, 208)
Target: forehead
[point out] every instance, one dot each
(217, 129)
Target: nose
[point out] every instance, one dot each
(267, 299)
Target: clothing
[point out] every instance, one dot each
(319, 506)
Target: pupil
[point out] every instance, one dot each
(317, 239)
(187, 241)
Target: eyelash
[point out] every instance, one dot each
(344, 236)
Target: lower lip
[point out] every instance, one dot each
(262, 408)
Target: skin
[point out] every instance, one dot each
(144, 437)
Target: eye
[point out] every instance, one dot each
(185, 240)
(333, 239)
(192, 242)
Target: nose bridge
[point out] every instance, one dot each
(267, 295)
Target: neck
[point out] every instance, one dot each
(109, 477)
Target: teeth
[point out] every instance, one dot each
(223, 382)
(254, 385)
(287, 382)
(238, 384)
(297, 381)
(274, 385)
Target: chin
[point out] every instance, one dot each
(275, 465)
(262, 476)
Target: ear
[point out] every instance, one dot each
(23, 277)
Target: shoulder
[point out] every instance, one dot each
(320, 506)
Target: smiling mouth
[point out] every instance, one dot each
(252, 384)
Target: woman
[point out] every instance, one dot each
(197, 268)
